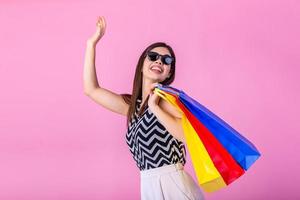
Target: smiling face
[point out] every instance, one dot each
(156, 70)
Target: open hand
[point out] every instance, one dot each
(100, 30)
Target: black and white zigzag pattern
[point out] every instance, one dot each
(151, 144)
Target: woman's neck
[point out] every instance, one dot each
(146, 88)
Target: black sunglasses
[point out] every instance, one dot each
(166, 59)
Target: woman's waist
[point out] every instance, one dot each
(161, 170)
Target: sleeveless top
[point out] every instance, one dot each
(150, 143)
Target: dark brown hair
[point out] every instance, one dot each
(131, 100)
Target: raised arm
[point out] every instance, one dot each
(108, 99)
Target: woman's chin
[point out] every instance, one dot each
(155, 77)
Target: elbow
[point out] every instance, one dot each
(178, 131)
(87, 92)
(180, 135)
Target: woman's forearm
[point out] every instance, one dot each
(89, 73)
(172, 124)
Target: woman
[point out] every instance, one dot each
(154, 135)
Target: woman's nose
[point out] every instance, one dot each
(158, 61)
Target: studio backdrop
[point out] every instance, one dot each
(238, 58)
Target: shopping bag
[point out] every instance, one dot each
(241, 149)
(223, 161)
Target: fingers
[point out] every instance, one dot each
(157, 84)
(101, 25)
(104, 23)
(98, 23)
(154, 85)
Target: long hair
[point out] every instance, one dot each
(131, 99)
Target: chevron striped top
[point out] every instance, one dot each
(150, 143)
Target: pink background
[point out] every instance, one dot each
(238, 58)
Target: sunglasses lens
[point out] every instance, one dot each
(167, 60)
(152, 56)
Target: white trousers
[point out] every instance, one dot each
(169, 182)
